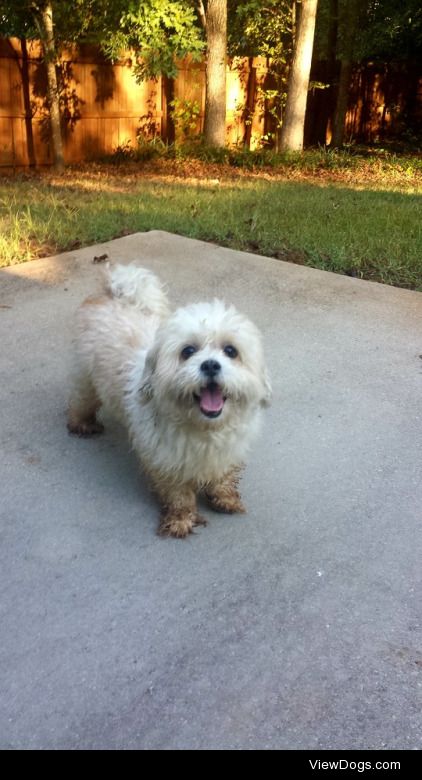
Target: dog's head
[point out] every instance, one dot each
(206, 364)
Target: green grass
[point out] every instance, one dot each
(371, 230)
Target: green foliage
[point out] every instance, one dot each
(17, 19)
(388, 30)
(146, 149)
(259, 28)
(392, 31)
(162, 30)
(375, 164)
(185, 115)
(74, 20)
(159, 31)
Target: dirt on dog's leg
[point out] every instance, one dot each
(224, 496)
(179, 513)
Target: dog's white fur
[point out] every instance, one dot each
(129, 357)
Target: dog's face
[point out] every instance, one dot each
(207, 365)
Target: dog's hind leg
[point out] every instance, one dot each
(83, 407)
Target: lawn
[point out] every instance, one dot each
(362, 219)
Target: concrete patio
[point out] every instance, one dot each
(295, 626)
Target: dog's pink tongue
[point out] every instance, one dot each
(211, 399)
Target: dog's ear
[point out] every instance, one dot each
(146, 389)
(267, 389)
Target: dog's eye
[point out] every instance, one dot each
(188, 351)
(230, 351)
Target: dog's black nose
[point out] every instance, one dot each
(210, 367)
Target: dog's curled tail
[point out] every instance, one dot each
(138, 287)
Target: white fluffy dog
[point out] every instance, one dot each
(189, 386)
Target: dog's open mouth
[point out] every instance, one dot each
(211, 400)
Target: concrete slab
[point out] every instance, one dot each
(296, 626)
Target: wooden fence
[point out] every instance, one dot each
(104, 108)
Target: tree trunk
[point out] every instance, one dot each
(330, 96)
(47, 37)
(26, 90)
(250, 104)
(346, 67)
(215, 76)
(168, 130)
(297, 90)
(341, 104)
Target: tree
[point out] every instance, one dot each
(14, 22)
(159, 32)
(390, 31)
(263, 29)
(350, 20)
(297, 91)
(214, 20)
(43, 17)
(36, 19)
(353, 32)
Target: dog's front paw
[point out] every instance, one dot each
(227, 504)
(179, 524)
(223, 495)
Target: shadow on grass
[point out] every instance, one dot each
(371, 233)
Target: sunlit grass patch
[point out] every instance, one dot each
(368, 231)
